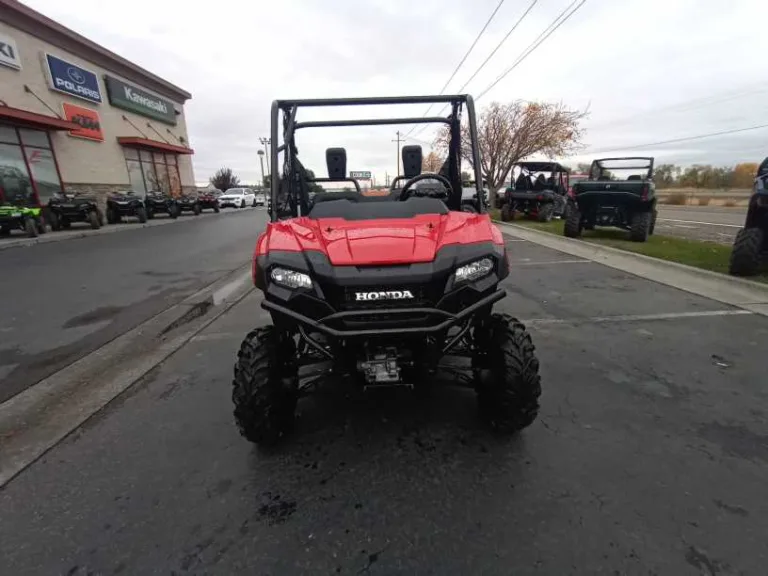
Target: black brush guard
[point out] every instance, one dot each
(442, 320)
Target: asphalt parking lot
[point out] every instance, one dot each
(649, 457)
(711, 223)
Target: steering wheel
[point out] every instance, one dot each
(405, 192)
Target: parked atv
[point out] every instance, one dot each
(619, 192)
(539, 191)
(208, 200)
(28, 220)
(188, 203)
(158, 202)
(750, 248)
(125, 204)
(380, 290)
(63, 209)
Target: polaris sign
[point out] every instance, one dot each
(72, 79)
(384, 295)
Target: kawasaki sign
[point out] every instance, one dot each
(133, 99)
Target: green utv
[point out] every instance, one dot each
(19, 209)
(619, 192)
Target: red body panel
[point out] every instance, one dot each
(378, 242)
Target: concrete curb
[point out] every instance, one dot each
(739, 292)
(35, 420)
(62, 236)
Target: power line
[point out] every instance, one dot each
(677, 140)
(488, 58)
(535, 44)
(686, 105)
(466, 55)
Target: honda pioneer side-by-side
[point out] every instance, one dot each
(125, 204)
(619, 192)
(538, 191)
(379, 290)
(750, 247)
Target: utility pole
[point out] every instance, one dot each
(399, 134)
(386, 179)
(261, 159)
(266, 142)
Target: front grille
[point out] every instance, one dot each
(350, 301)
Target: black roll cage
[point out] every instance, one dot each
(293, 179)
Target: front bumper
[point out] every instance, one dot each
(436, 320)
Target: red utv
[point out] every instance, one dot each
(379, 290)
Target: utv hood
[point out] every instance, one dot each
(378, 242)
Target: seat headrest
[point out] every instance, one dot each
(336, 160)
(412, 159)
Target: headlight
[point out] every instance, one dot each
(474, 270)
(291, 278)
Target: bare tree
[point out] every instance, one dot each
(509, 133)
(224, 179)
(432, 162)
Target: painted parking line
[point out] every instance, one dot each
(545, 262)
(636, 317)
(698, 222)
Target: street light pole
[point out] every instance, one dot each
(266, 142)
(261, 159)
(398, 150)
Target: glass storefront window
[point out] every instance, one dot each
(162, 177)
(173, 174)
(15, 184)
(159, 158)
(136, 177)
(43, 169)
(150, 178)
(146, 156)
(131, 153)
(8, 135)
(171, 159)
(36, 138)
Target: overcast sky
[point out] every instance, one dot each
(649, 70)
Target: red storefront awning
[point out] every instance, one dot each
(34, 120)
(157, 145)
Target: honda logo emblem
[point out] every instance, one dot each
(384, 295)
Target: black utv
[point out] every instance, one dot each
(539, 191)
(619, 192)
(750, 248)
(125, 204)
(63, 209)
(158, 202)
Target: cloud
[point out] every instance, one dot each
(629, 61)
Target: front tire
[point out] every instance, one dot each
(746, 254)
(30, 227)
(93, 220)
(640, 226)
(111, 215)
(265, 387)
(573, 227)
(216, 209)
(507, 380)
(197, 210)
(242, 204)
(546, 212)
(141, 214)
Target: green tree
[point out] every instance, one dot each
(224, 179)
(583, 167)
(666, 175)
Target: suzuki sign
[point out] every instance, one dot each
(9, 53)
(72, 79)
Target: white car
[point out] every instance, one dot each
(237, 198)
(261, 199)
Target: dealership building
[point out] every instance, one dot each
(79, 118)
